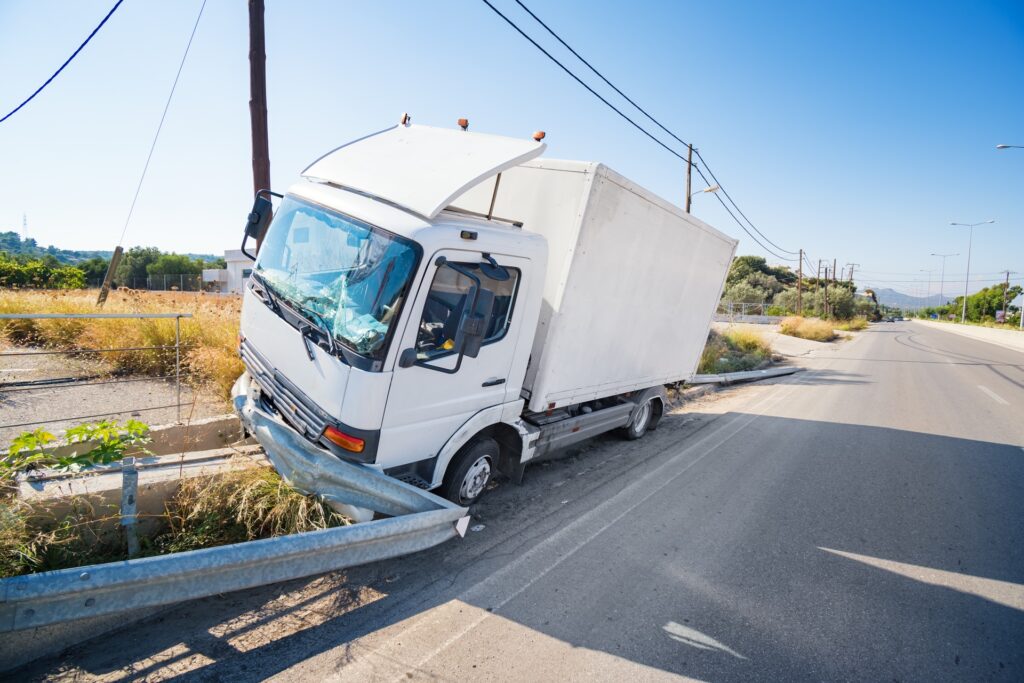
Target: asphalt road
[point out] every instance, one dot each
(863, 520)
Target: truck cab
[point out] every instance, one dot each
(377, 328)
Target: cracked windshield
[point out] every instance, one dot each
(347, 276)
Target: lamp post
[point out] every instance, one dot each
(710, 188)
(942, 278)
(967, 282)
(929, 290)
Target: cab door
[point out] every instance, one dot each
(426, 407)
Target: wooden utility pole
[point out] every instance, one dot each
(800, 285)
(852, 266)
(689, 170)
(258, 102)
(826, 291)
(1006, 289)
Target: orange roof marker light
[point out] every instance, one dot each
(539, 135)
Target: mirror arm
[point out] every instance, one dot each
(245, 238)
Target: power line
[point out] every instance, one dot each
(733, 202)
(66, 62)
(159, 127)
(628, 119)
(580, 81)
(600, 75)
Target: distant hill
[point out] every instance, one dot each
(890, 297)
(12, 243)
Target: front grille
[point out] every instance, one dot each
(294, 406)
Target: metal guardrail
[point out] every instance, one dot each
(422, 520)
(73, 382)
(57, 596)
(749, 376)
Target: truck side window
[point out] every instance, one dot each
(446, 302)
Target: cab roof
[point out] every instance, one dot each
(420, 168)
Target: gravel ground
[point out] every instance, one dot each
(61, 404)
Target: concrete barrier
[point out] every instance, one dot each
(1008, 339)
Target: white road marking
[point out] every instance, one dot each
(994, 396)
(694, 638)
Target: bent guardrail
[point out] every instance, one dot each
(420, 520)
(51, 597)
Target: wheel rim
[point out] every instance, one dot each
(476, 478)
(642, 415)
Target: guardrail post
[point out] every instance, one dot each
(177, 363)
(129, 488)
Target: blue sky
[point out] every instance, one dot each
(855, 130)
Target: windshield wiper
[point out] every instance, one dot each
(268, 295)
(317, 321)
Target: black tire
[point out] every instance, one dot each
(470, 471)
(641, 420)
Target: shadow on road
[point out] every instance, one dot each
(795, 550)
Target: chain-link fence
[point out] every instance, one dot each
(182, 282)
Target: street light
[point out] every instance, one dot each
(711, 188)
(967, 282)
(929, 295)
(1009, 146)
(942, 278)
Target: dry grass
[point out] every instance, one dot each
(852, 325)
(808, 328)
(209, 338)
(241, 506)
(734, 350)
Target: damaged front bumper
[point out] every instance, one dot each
(315, 470)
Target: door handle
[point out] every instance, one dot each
(493, 382)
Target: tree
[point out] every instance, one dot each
(133, 265)
(175, 264)
(94, 269)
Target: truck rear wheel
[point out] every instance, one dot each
(470, 471)
(641, 421)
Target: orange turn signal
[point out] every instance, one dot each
(349, 443)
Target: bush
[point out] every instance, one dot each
(807, 328)
(734, 350)
(37, 274)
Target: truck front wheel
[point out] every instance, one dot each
(470, 471)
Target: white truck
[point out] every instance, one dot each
(438, 304)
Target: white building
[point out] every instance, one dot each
(231, 279)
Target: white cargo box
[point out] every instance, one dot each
(632, 281)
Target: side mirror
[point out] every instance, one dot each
(258, 219)
(474, 324)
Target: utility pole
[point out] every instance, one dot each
(852, 265)
(258, 102)
(826, 291)
(1006, 289)
(689, 169)
(800, 285)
